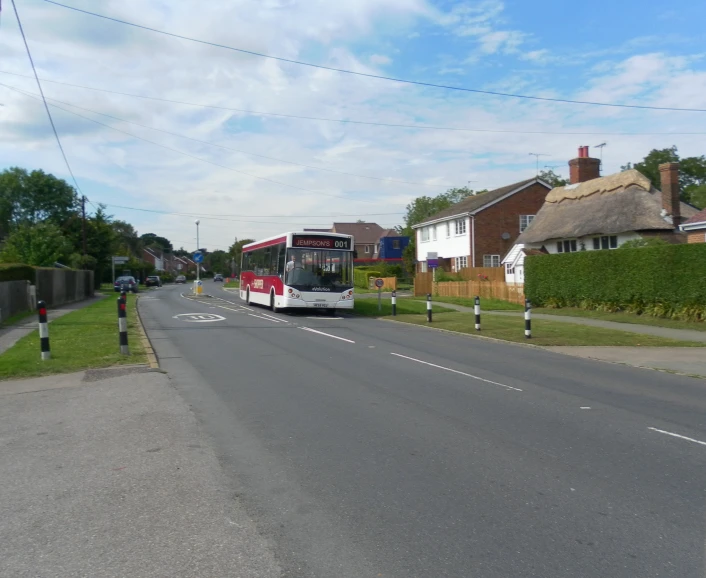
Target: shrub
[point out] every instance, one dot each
(662, 281)
(361, 276)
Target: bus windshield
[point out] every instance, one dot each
(319, 270)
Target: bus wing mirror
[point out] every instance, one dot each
(355, 254)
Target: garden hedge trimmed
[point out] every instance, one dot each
(665, 281)
(16, 272)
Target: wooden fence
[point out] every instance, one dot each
(492, 273)
(423, 284)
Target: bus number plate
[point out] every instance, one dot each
(320, 305)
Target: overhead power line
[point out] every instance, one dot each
(30, 95)
(394, 181)
(353, 121)
(44, 100)
(370, 75)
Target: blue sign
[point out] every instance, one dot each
(198, 257)
(432, 263)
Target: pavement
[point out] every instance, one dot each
(107, 473)
(13, 333)
(361, 448)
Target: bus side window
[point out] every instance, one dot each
(280, 260)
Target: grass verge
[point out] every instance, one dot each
(14, 319)
(369, 307)
(486, 303)
(544, 332)
(232, 285)
(83, 339)
(624, 318)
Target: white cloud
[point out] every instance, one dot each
(120, 170)
(380, 59)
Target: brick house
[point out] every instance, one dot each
(595, 213)
(154, 257)
(695, 228)
(371, 241)
(479, 230)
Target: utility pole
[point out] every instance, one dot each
(83, 222)
(536, 156)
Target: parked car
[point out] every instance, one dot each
(218, 277)
(125, 283)
(153, 281)
(180, 279)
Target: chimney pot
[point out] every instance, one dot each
(669, 175)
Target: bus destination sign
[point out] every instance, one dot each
(321, 242)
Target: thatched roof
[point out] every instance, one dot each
(476, 202)
(609, 205)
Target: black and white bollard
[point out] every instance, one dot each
(122, 326)
(429, 307)
(43, 330)
(394, 303)
(528, 319)
(477, 311)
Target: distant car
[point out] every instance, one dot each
(125, 284)
(153, 281)
(180, 279)
(218, 277)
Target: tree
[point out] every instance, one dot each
(236, 250)
(151, 240)
(40, 245)
(218, 262)
(697, 196)
(551, 178)
(127, 242)
(692, 171)
(34, 197)
(424, 207)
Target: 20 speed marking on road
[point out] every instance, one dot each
(199, 317)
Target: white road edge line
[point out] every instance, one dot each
(265, 318)
(275, 318)
(677, 436)
(456, 371)
(327, 334)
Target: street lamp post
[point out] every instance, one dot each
(198, 265)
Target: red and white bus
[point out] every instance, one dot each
(299, 270)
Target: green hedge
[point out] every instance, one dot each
(16, 272)
(361, 276)
(665, 281)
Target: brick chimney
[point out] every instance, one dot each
(669, 175)
(583, 168)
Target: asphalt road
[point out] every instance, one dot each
(369, 448)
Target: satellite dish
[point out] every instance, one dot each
(505, 236)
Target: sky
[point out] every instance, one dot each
(238, 157)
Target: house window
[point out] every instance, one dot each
(396, 244)
(422, 266)
(425, 234)
(367, 248)
(568, 246)
(433, 230)
(448, 229)
(605, 242)
(461, 263)
(491, 260)
(525, 221)
(460, 226)
(509, 269)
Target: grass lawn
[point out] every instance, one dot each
(544, 332)
(486, 304)
(83, 339)
(232, 284)
(625, 318)
(369, 307)
(17, 318)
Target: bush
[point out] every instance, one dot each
(361, 276)
(664, 281)
(17, 272)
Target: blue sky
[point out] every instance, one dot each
(619, 52)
